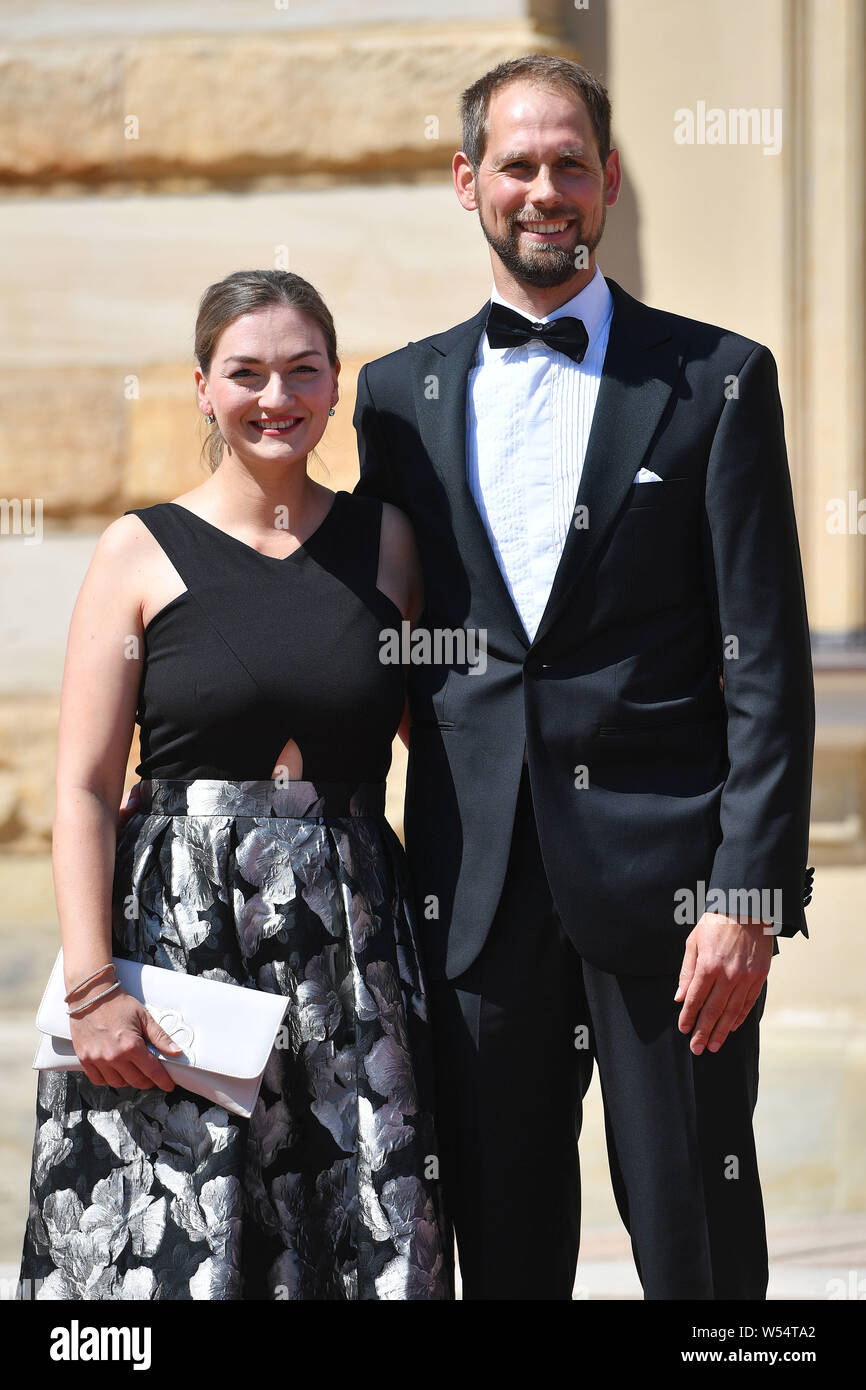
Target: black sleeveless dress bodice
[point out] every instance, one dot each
(260, 650)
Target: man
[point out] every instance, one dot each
(601, 496)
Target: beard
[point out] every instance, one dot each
(539, 265)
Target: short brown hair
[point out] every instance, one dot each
(544, 70)
(243, 292)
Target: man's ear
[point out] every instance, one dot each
(464, 181)
(612, 178)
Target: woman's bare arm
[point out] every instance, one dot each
(400, 577)
(97, 713)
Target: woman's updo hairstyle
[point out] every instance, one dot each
(242, 293)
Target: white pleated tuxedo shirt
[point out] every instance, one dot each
(528, 415)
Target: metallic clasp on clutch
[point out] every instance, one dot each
(178, 1030)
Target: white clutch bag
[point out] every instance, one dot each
(226, 1031)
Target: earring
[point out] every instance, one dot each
(211, 419)
(332, 411)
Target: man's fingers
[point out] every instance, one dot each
(710, 1012)
(751, 1000)
(687, 970)
(727, 1019)
(697, 992)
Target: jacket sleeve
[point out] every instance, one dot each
(377, 471)
(753, 560)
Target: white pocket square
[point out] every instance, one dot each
(646, 475)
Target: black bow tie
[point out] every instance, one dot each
(506, 328)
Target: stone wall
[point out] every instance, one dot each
(148, 153)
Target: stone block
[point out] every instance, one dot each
(62, 438)
(28, 733)
(238, 106)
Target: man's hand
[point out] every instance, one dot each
(724, 968)
(133, 804)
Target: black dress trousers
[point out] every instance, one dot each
(515, 1039)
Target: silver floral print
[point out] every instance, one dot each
(329, 1190)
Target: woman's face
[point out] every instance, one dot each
(270, 386)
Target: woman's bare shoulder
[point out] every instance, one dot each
(127, 535)
(124, 530)
(126, 556)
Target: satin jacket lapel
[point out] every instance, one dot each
(641, 367)
(441, 368)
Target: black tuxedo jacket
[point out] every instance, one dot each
(666, 701)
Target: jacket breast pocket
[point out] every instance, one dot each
(655, 541)
(668, 492)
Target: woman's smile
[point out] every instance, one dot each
(277, 427)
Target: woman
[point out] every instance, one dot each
(240, 624)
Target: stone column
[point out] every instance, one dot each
(827, 309)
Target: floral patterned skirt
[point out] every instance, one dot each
(330, 1190)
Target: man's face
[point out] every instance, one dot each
(541, 191)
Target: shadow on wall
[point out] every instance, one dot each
(618, 254)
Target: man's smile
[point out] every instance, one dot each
(543, 231)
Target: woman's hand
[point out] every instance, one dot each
(133, 805)
(110, 1043)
